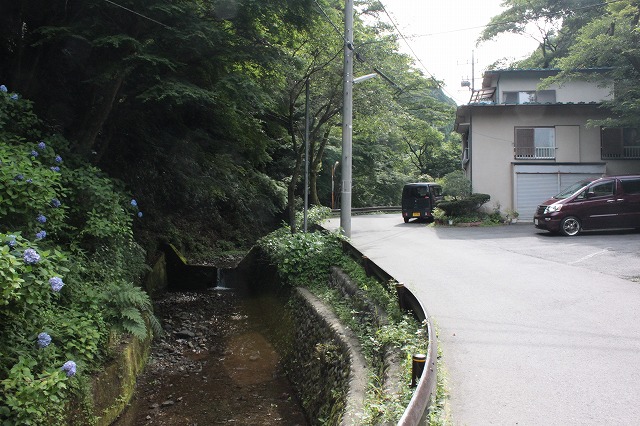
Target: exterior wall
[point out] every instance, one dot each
(573, 91)
(492, 154)
(623, 167)
(568, 143)
(582, 91)
(492, 143)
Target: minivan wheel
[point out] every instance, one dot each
(570, 226)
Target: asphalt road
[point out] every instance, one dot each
(535, 329)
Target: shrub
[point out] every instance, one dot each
(465, 206)
(456, 185)
(67, 264)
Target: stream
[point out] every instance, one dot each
(216, 364)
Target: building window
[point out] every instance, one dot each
(535, 143)
(533, 96)
(619, 143)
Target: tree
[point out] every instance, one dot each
(612, 40)
(552, 23)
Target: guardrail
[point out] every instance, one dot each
(417, 410)
(364, 210)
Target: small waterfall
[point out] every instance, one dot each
(220, 282)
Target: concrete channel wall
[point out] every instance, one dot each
(328, 369)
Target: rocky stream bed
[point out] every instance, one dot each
(213, 366)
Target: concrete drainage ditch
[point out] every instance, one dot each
(315, 323)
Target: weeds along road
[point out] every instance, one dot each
(535, 329)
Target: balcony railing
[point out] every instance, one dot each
(628, 152)
(535, 153)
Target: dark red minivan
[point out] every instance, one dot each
(599, 203)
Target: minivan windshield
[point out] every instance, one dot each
(567, 192)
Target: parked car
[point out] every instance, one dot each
(599, 203)
(419, 199)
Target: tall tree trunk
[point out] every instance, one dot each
(103, 100)
(315, 167)
(291, 191)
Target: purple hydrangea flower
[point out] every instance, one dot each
(41, 218)
(139, 214)
(40, 235)
(34, 153)
(31, 256)
(69, 367)
(55, 168)
(55, 203)
(42, 145)
(12, 241)
(44, 340)
(134, 203)
(19, 177)
(3, 88)
(56, 284)
(58, 159)
(14, 97)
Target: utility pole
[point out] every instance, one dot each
(347, 118)
(306, 155)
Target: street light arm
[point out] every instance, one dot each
(364, 77)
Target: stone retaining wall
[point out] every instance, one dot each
(327, 367)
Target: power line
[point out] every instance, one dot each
(335, 27)
(137, 13)
(440, 86)
(541, 15)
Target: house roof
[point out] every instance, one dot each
(490, 75)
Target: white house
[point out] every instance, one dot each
(523, 144)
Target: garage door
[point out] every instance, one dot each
(534, 188)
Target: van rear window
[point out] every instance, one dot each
(631, 186)
(420, 191)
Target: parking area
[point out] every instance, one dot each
(614, 252)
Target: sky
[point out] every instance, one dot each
(442, 36)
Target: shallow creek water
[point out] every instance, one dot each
(215, 365)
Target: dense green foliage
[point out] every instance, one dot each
(199, 107)
(68, 264)
(304, 259)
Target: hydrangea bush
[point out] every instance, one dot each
(66, 246)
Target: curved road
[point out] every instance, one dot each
(535, 329)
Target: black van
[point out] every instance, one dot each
(419, 199)
(604, 203)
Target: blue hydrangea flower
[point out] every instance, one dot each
(55, 168)
(134, 203)
(40, 235)
(42, 145)
(31, 257)
(14, 97)
(139, 214)
(29, 180)
(56, 284)
(41, 218)
(55, 203)
(69, 367)
(44, 340)
(58, 159)
(12, 241)
(3, 88)
(19, 177)
(34, 153)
